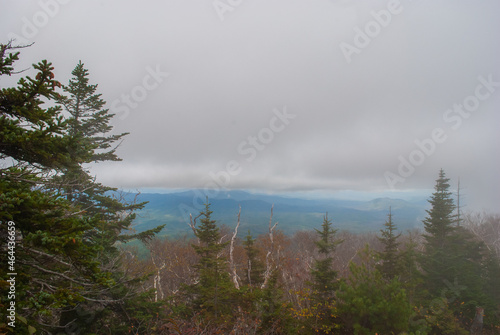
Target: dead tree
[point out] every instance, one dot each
(269, 266)
(231, 251)
(192, 224)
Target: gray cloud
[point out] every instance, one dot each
(353, 121)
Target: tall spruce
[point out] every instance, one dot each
(324, 278)
(437, 261)
(89, 126)
(89, 121)
(390, 256)
(67, 250)
(213, 290)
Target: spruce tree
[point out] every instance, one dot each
(108, 213)
(66, 252)
(324, 280)
(368, 303)
(213, 290)
(437, 261)
(390, 256)
(255, 268)
(89, 120)
(453, 260)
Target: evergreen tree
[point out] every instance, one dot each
(390, 256)
(108, 214)
(32, 148)
(411, 276)
(324, 278)
(439, 227)
(324, 281)
(255, 268)
(214, 290)
(453, 260)
(89, 120)
(273, 309)
(68, 259)
(368, 304)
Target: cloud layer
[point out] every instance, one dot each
(199, 86)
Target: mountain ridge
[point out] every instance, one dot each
(293, 214)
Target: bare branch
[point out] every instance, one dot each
(60, 275)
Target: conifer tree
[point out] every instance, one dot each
(88, 126)
(273, 309)
(255, 268)
(390, 256)
(368, 304)
(452, 257)
(89, 119)
(324, 278)
(67, 252)
(324, 281)
(439, 227)
(214, 289)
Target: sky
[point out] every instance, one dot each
(317, 96)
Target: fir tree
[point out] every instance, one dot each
(89, 120)
(213, 291)
(437, 261)
(324, 281)
(255, 268)
(390, 256)
(368, 304)
(67, 253)
(439, 223)
(324, 278)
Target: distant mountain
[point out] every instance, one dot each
(293, 214)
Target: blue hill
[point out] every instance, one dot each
(293, 214)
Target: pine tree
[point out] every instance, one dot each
(67, 253)
(108, 213)
(89, 121)
(453, 259)
(255, 268)
(274, 316)
(324, 280)
(214, 289)
(88, 126)
(390, 256)
(439, 227)
(368, 304)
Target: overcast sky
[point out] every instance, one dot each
(284, 95)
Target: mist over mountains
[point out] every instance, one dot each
(293, 214)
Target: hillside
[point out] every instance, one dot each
(293, 214)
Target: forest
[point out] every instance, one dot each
(68, 267)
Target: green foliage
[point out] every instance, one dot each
(273, 310)
(368, 304)
(67, 226)
(453, 255)
(437, 261)
(88, 121)
(390, 256)
(324, 280)
(213, 294)
(255, 268)
(436, 319)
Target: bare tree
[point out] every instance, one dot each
(269, 266)
(231, 252)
